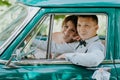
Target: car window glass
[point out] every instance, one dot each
(27, 50)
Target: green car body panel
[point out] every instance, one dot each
(71, 3)
(66, 70)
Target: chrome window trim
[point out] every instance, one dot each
(49, 61)
(50, 36)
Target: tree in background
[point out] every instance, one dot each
(4, 2)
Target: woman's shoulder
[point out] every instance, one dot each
(56, 34)
(57, 37)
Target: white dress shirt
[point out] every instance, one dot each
(90, 55)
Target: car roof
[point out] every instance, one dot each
(71, 3)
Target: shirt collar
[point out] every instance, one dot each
(93, 39)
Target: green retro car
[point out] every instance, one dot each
(38, 19)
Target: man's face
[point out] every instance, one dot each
(86, 27)
(69, 31)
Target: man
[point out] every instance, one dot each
(89, 51)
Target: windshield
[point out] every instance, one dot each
(13, 21)
(10, 20)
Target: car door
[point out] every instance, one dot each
(40, 65)
(117, 43)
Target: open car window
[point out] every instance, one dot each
(27, 50)
(58, 28)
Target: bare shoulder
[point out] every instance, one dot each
(57, 37)
(56, 34)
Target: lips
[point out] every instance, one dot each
(83, 33)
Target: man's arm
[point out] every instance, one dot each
(93, 57)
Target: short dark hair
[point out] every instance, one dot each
(94, 17)
(72, 18)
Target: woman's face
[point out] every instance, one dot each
(69, 31)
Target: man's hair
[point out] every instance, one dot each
(72, 18)
(94, 17)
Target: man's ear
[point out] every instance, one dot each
(96, 27)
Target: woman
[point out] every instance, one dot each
(69, 31)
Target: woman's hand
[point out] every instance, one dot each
(62, 56)
(76, 38)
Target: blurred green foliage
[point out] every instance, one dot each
(57, 17)
(4, 2)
